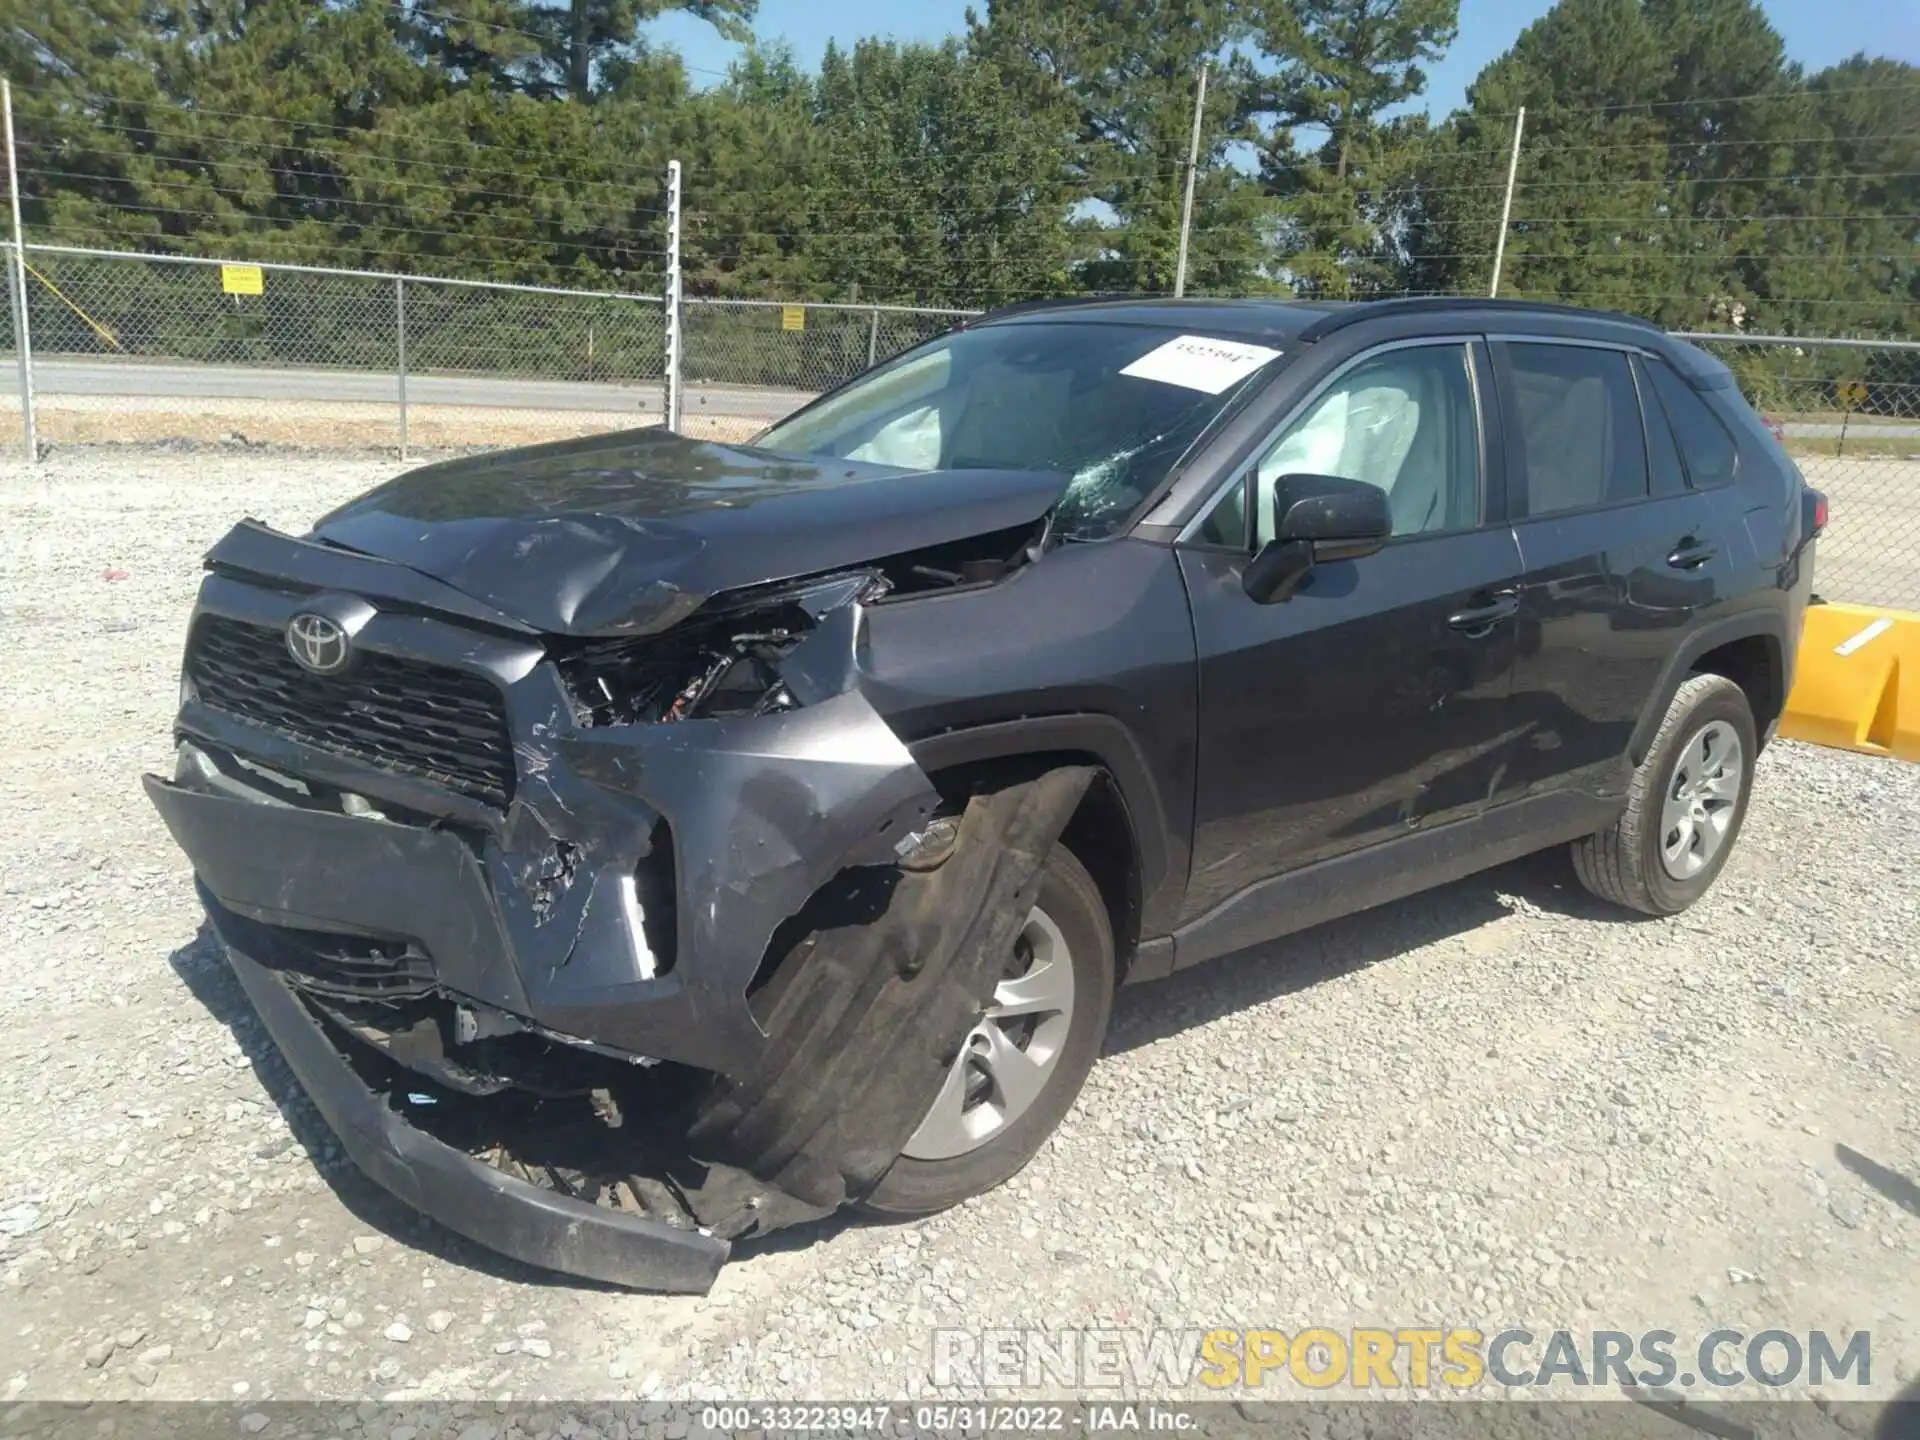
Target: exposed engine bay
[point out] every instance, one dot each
(725, 660)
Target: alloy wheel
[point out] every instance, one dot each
(1703, 796)
(1008, 1057)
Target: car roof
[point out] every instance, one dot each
(1239, 319)
(1305, 321)
(1290, 319)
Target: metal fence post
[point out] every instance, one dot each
(675, 340)
(17, 288)
(400, 333)
(873, 338)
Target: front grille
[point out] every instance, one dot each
(409, 716)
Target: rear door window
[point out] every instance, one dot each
(1577, 419)
(1706, 445)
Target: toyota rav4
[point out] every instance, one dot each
(635, 844)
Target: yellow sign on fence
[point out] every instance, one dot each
(793, 317)
(1852, 393)
(243, 280)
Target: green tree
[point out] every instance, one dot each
(1124, 74)
(1677, 164)
(1589, 223)
(547, 49)
(1849, 260)
(752, 157)
(1343, 63)
(935, 182)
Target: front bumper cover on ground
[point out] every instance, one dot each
(862, 1020)
(537, 1226)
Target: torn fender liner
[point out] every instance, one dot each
(865, 1014)
(538, 1226)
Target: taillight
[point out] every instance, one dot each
(1814, 508)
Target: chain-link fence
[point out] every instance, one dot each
(756, 360)
(166, 348)
(1849, 412)
(806, 347)
(162, 348)
(142, 348)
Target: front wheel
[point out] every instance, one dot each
(1685, 804)
(1018, 1071)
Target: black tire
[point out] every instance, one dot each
(1622, 863)
(914, 1187)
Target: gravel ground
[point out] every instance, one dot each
(1498, 1103)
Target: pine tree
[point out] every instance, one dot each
(1344, 63)
(1125, 72)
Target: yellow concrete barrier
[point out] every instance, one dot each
(1857, 684)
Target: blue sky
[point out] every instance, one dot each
(1817, 32)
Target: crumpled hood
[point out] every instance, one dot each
(627, 533)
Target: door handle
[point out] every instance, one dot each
(1479, 621)
(1691, 554)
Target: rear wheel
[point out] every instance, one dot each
(1018, 1071)
(1685, 804)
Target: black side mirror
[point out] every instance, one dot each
(1316, 518)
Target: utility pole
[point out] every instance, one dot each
(17, 287)
(1193, 163)
(1506, 208)
(675, 340)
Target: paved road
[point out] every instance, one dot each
(1857, 430)
(92, 377)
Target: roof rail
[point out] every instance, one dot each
(1420, 304)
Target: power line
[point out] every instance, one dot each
(289, 121)
(276, 197)
(1692, 297)
(378, 228)
(279, 241)
(1669, 145)
(1635, 220)
(321, 148)
(1804, 93)
(1664, 181)
(294, 173)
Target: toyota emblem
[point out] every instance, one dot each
(318, 644)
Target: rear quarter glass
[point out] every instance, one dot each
(1767, 472)
(1707, 441)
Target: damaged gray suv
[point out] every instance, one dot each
(636, 844)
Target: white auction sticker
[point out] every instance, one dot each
(1200, 363)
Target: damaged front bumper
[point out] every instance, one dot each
(528, 1222)
(405, 906)
(625, 892)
